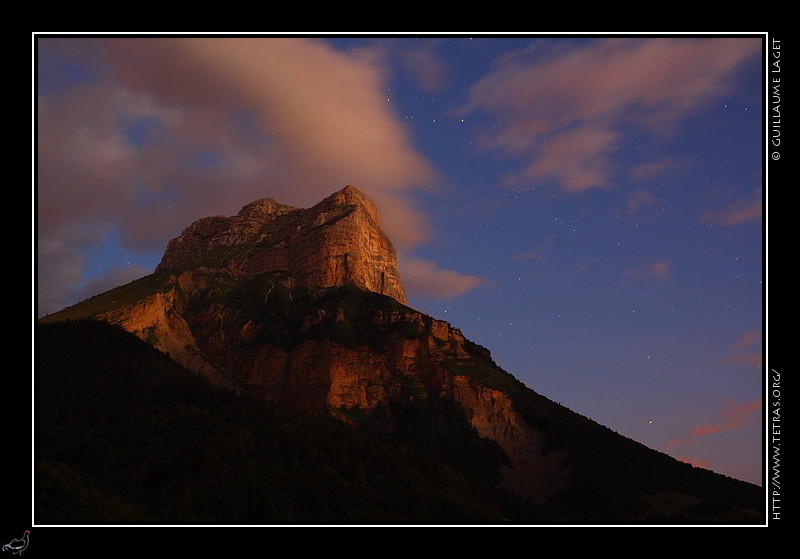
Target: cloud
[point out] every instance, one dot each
(651, 169)
(746, 350)
(658, 270)
(532, 254)
(748, 339)
(754, 359)
(318, 118)
(537, 252)
(564, 116)
(747, 210)
(148, 134)
(428, 279)
(639, 200)
(579, 159)
(732, 417)
(60, 265)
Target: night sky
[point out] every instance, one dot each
(587, 208)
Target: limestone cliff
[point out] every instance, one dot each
(345, 349)
(336, 242)
(305, 307)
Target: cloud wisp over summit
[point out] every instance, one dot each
(153, 134)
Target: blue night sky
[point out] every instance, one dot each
(587, 208)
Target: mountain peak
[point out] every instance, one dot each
(351, 195)
(335, 242)
(264, 207)
(237, 301)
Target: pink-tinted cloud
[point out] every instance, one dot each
(532, 254)
(661, 271)
(748, 339)
(672, 443)
(578, 159)
(752, 359)
(537, 252)
(168, 130)
(651, 169)
(320, 117)
(563, 116)
(736, 213)
(429, 279)
(731, 417)
(747, 350)
(639, 200)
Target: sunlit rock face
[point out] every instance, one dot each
(334, 243)
(304, 307)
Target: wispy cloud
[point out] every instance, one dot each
(427, 278)
(639, 200)
(747, 210)
(564, 116)
(746, 350)
(532, 254)
(537, 252)
(651, 169)
(748, 339)
(661, 271)
(732, 416)
(158, 132)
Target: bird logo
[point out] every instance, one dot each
(18, 545)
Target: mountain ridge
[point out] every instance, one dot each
(305, 308)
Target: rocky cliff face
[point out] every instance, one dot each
(336, 242)
(305, 307)
(345, 349)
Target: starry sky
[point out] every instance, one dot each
(588, 208)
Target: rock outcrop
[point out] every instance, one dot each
(352, 350)
(305, 307)
(334, 243)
